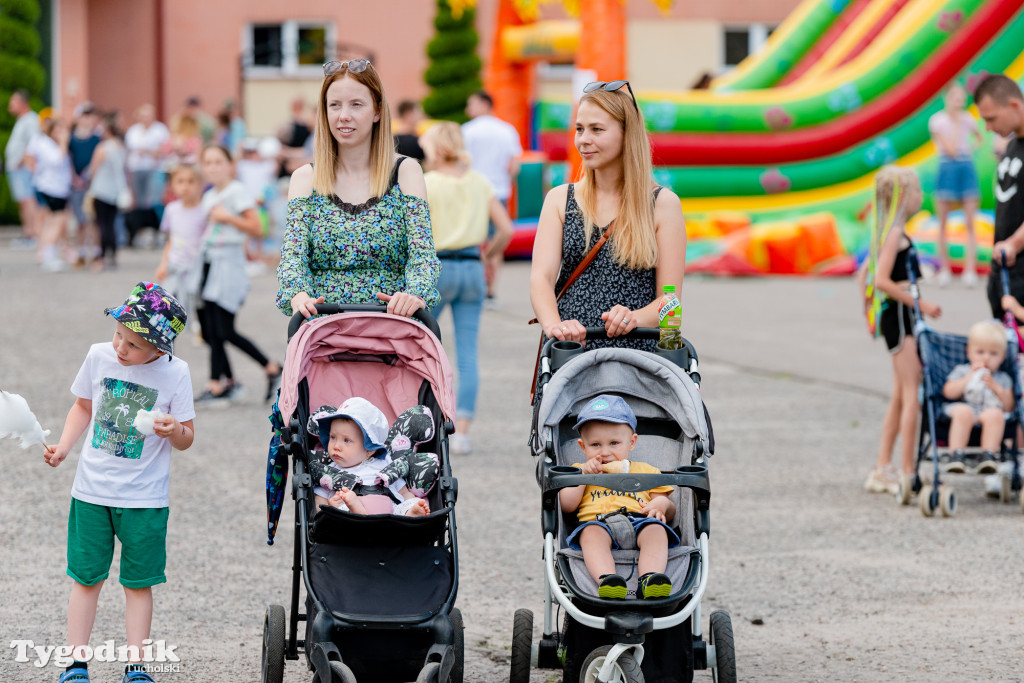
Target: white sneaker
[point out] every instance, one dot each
(54, 265)
(944, 277)
(969, 278)
(459, 444)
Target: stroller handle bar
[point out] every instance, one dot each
(327, 309)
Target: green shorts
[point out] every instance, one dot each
(143, 536)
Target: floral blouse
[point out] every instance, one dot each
(347, 253)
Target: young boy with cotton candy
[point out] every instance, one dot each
(121, 484)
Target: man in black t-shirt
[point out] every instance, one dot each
(407, 142)
(1001, 105)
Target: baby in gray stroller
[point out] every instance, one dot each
(614, 519)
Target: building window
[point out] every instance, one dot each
(312, 45)
(289, 48)
(742, 41)
(266, 45)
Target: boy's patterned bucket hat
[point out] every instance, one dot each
(153, 314)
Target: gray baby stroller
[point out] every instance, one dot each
(632, 640)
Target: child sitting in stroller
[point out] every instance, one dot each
(983, 394)
(354, 437)
(618, 519)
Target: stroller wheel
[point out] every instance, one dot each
(927, 500)
(272, 667)
(721, 639)
(429, 673)
(947, 500)
(459, 647)
(341, 673)
(626, 669)
(522, 643)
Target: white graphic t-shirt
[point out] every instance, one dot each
(119, 467)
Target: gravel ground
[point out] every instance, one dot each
(824, 582)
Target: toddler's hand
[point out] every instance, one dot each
(651, 510)
(54, 455)
(593, 466)
(220, 215)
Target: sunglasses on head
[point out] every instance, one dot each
(356, 66)
(612, 86)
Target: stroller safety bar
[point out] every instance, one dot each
(599, 622)
(327, 309)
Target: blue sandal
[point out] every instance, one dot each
(137, 677)
(75, 675)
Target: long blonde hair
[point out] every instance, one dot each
(634, 242)
(894, 185)
(382, 146)
(443, 143)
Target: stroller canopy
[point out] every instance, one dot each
(664, 390)
(400, 354)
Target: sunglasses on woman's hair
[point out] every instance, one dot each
(356, 66)
(612, 86)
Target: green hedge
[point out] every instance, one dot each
(454, 70)
(19, 70)
(26, 11)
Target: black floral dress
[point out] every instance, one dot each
(603, 284)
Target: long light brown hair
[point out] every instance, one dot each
(634, 242)
(382, 146)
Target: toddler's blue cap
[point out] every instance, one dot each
(607, 408)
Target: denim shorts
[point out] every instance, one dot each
(623, 536)
(20, 182)
(957, 180)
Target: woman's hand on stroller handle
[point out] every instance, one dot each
(305, 304)
(402, 303)
(566, 330)
(420, 314)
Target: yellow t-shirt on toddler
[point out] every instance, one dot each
(598, 500)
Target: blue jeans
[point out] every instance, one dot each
(461, 286)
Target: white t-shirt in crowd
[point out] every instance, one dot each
(235, 200)
(492, 145)
(256, 175)
(959, 131)
(119, 467)
(52, 174)
(184, 228)
(141, 139)
(24, 129)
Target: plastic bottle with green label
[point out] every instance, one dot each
(670, 319)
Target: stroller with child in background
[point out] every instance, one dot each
(379, 589)
(940, 353)
(633, 640)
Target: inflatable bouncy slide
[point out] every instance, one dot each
(774, 163)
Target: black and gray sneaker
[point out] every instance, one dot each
(988, 464)
(954, 462)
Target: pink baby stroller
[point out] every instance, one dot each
(380, 589)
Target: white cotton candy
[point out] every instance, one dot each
(18, 422)
(615, 467)
(145, 421)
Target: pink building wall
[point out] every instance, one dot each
(114, 51)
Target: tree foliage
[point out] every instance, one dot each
(19, 70)
(454, 70)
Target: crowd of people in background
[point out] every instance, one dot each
(92, 181)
